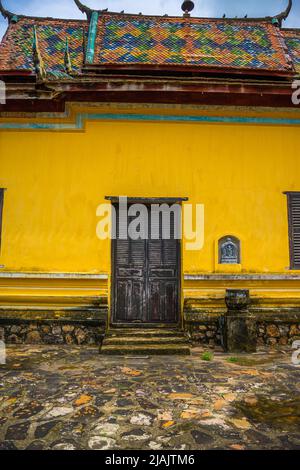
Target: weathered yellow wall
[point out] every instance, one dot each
(55, 181)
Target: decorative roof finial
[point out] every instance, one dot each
(283, 16)
(11, 17)
(84, 9)
(37, 58)
(187, 7)
(68, 62)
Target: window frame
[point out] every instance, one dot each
(290, 195)
(2, 191)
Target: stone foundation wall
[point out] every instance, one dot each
(81, 327)
(55, 333)
(277, 334)
(273, 329)
(88, 328)
(208, 334)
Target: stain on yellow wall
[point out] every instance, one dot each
(55, 181)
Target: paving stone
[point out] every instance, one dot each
(63, 445)
(17, 432)
(155, 445)
(202, 438)
(8, 445)
(135, 435)
(28, 411)
(141, 419)
(124, 402)
(36, 445)
(257, 437)
(106, 429)
(59, 411)
(87, 413)
(43, 429)
(75, 399)
(101, 443)
(102, 400)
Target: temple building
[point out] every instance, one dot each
(186, 111)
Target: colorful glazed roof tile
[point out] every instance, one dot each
(16, 50)
(133, 40)
(292, 40)
(189, 41)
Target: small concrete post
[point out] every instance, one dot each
(239, 324)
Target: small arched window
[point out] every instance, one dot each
(229, 250)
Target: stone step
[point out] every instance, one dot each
(140, 350)
(144, 326)
(145, 342)
(131, 332)
(123, 340)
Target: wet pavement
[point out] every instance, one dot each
(60, 397)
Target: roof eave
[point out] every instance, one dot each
(189, 69)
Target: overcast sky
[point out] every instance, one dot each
(214, 8)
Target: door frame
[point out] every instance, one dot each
(147, 201)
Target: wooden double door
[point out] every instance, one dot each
(146, 275)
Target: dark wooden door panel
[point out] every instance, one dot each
(122, 296)
(130, 300)
(146, 278)
(154, 302)
(170, 300)
(137, 304)
(163, 300)
(163, 272)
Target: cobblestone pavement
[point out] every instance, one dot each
(59, 397)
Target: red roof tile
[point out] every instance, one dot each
(16, 50)
(124, 40)
(230, 44)
(292, 40)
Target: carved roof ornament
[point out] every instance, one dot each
(278, 19)
(187, 7)
(284, 15)
(89, 11)
(11, 17)
(67, 58)
(84, 9)
(37, 57)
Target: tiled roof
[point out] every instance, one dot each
(123, 40)
(16, 50)
(292, 40)
(189, 41)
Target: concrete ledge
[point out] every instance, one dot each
(42, 275)
(242, 277)
(284, 315)
(92, 317)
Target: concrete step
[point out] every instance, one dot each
(140, 350)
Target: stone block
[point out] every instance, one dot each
(33, 337)
(240, 334)
(273, 331)
(294, 330)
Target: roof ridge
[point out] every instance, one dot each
(171, 43)
(88, 11)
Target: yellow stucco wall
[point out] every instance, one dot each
(55, 181)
